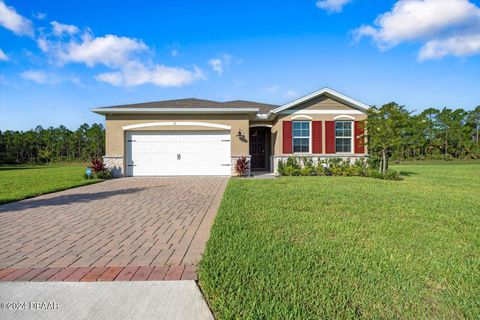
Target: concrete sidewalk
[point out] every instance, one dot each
(103, 300)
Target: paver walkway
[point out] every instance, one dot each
(123, 229)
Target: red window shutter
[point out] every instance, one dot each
(359, 137)
(329, 136)
(287, 137)
(316, 136)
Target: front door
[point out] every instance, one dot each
(257, 148)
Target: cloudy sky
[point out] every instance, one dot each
(58, 59)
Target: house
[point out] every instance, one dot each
(202, 137)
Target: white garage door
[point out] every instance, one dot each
(178, 153)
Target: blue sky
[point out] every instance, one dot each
(58, 59)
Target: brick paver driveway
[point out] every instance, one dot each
(132, 228)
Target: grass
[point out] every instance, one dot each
(25, 181)
(439, 162)
(347, 247)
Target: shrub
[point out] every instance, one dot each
(281, 168)
(392, 175)
(97, 165)
(447, 157)
(293, 162)
(291, 167)
(307, 171)
(360, 168)
(320, 169)
(389, 175)
(335, 166)
(104, 175)
(291, 170)
(308, 167)
(99, 170)
(241, 166)
(373, 162)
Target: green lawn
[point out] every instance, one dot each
(21, 182)
(348, 247)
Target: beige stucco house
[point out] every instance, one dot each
(202, 137)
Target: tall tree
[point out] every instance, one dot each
(386, 128)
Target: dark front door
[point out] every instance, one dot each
(257, 148)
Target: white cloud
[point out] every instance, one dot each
(3, 56)
(43, 44)
(129, 60)
(272, 89)
(457, 46)
(174, 52)
(291, 93)
(332, 6)
(223, 62)
(136, 73)
(37, 76)
(59, 29)
(109, 50)
(14, 22)
(433, 22)
(46, 77)
(217, 65)
(40, 15)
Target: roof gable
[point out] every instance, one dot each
(324, 92)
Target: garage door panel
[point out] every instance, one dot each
(201, 153)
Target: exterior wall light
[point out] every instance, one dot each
(240, 134)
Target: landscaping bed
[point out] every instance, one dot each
(347, 247)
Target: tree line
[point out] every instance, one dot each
(42, 145)
(395, 133)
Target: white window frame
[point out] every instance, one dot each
(351, 137)
(309, 137)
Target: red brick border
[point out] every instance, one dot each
(129, 273)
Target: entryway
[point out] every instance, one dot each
(260, 148)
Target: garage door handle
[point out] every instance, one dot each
(179, 156)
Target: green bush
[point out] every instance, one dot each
(389, 175)
(308, 167)
(335, 166)
(319, 169)
(307, 171)
(293, 162)
(291, 171)
(392, 175)
(291, 167)
(281, 168)
(373, 162)
(360, 168)
(103, 175)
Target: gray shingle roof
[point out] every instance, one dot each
(200, 103)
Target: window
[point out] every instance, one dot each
(343, 136)
(301, 136)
